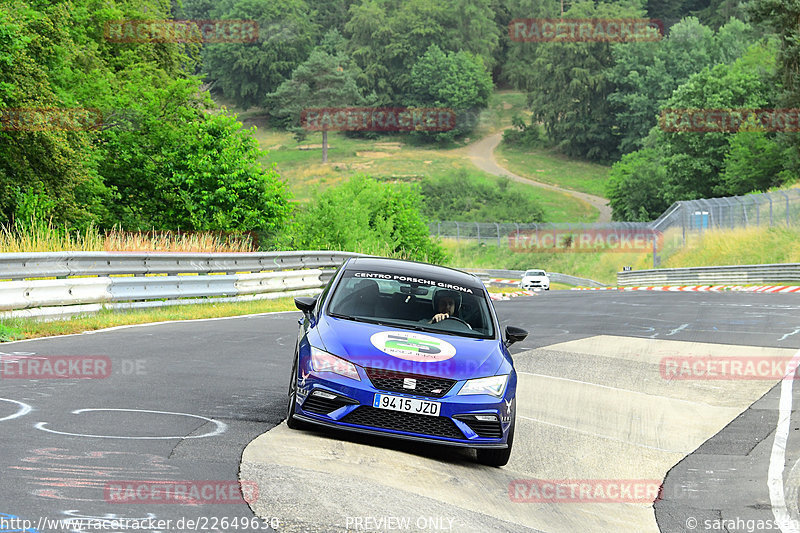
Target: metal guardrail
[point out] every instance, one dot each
(554, 277)
(128, 280)
(735, 274)
(63, 264)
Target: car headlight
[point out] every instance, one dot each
(495, 385)
(322, 361)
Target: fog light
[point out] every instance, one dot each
(323, 394)
(485, 418)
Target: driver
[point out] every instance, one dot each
(446, 303)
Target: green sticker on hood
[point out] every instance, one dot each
(413, 346)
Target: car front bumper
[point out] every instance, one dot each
(352, 409)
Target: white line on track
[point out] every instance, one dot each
(221, 426)
(789, 334)
(676, 330)
(24, 409)
(777, 459)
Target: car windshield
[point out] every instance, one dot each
(408, 302)
(535, 273)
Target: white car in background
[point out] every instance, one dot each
(535, 279)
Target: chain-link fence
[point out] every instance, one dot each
(498, 231)
(780, 208)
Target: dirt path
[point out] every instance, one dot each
(481, 154)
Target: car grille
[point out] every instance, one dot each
(323, 406)
(437, 426)
(488, 430)
(389, 380)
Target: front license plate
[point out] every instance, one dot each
(406, 405)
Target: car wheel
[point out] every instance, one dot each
(499, 457)
(290, 421)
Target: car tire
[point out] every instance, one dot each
(499, 457)
(291, 422)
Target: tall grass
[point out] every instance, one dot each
(38, 235)
(715, 248)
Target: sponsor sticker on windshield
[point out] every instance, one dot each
(413, 346)
(411, 279)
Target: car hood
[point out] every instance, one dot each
(535, 278)
(416, 352)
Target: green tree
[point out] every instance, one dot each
(157, 159)
(569, 86)
(519, 55)
(366, 216)
(781, 17)
(323, 80)
(178, 166)
(455, 80)
(695, 160)
(754, 162)
(54, 165)
(646, 73)
(635, 186)
(246, 72)
(387, 37)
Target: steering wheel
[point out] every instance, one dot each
(456, 318)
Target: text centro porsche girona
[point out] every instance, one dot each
(371, 358)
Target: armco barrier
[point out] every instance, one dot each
(123, 280)
(517, 274)
(62, 264)
(129, 280)
(738, 274)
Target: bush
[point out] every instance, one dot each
(462, 197)
(523, 134)
(363, 215)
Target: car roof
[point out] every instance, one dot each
(398, 266)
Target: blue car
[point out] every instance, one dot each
(406, 350)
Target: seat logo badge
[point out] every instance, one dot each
(409, 383)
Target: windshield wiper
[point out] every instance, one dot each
(358, 319)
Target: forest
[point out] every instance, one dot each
(149, 147)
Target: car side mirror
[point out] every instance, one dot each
(514, 334)
(305, 303)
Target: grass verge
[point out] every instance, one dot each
(548, 166)
(26, 328)
(750, 246)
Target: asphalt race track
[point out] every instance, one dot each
(200, 404)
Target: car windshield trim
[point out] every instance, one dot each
(414, 327)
